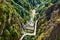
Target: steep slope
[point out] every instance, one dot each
(10, 22)
(50, 26)
(15, 12)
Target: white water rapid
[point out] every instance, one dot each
(31, 23)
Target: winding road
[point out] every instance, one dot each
(31, 34)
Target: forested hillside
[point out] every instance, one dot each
(15, 13)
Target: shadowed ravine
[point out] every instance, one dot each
(32, 24)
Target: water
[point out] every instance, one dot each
(32, 24)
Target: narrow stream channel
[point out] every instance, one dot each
(31, 23)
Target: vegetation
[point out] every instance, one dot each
(10, 22)
(15, 12)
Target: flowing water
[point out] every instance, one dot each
(31, 21)
(32, 24)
